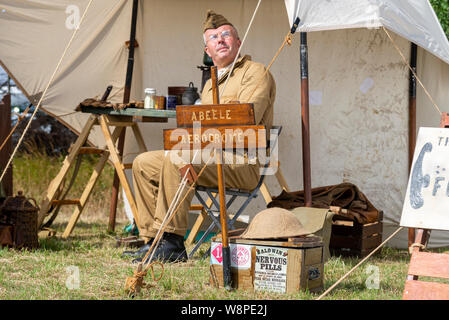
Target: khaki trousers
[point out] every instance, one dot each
(156, 179)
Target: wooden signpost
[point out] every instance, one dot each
(425, 208)
(222, 126)
(240, 137)
(215, 115)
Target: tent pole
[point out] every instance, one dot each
(412, 121)
(5, 128)
(126, 98)
(305, 120)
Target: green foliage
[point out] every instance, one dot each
(441, 8)
(33, 173)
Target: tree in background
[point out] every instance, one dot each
(441, 8)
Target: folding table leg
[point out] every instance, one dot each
(119, 167)
(139, 138)
(86, 194)
(68, 161)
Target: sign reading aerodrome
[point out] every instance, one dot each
(215, 126)
(426, 204)
(233, 137)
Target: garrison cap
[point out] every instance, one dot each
(214, 21)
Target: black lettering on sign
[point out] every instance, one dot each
(418, 180)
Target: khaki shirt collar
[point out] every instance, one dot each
(240, 61)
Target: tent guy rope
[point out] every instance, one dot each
(240, 48)
(413, 71)
(134, 283)
(174, 202)
(46, 89)
(287, 40)
(19, 120)
(359, 264)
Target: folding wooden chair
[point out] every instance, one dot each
(212, 207)
(427, 264)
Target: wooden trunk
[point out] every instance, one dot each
(268, 265)
(350, 238)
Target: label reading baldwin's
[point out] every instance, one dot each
(270, 270)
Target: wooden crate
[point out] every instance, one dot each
(275, 266)
(350, 238)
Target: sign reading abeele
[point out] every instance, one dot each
(427, 199)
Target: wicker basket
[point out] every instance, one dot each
(21, 214)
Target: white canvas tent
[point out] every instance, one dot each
(358, 81)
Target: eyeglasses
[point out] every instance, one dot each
(224, 35)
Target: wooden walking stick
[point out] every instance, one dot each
(232, 124)
(226, 252)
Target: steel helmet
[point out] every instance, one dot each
(274, 223)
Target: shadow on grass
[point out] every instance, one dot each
(85, 236)
(91, 227)
(384, 254)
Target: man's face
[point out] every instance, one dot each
(222, 45)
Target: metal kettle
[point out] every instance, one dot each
(190, 95)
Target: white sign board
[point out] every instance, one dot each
(270, 270)
(240, 255)
(426, 204)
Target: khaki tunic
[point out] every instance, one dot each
(246, 76)
(157, 178)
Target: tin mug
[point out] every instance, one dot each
(160, 102)
(171, 102)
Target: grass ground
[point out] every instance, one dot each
(91, 256)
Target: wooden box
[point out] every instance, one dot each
(286, 266)
(350, 238)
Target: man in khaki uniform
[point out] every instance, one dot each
(157, 178)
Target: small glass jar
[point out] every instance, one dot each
(150, 98)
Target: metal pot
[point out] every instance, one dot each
(190, 95)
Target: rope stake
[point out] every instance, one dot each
(134, 284)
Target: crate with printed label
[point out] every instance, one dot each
(282, 266)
